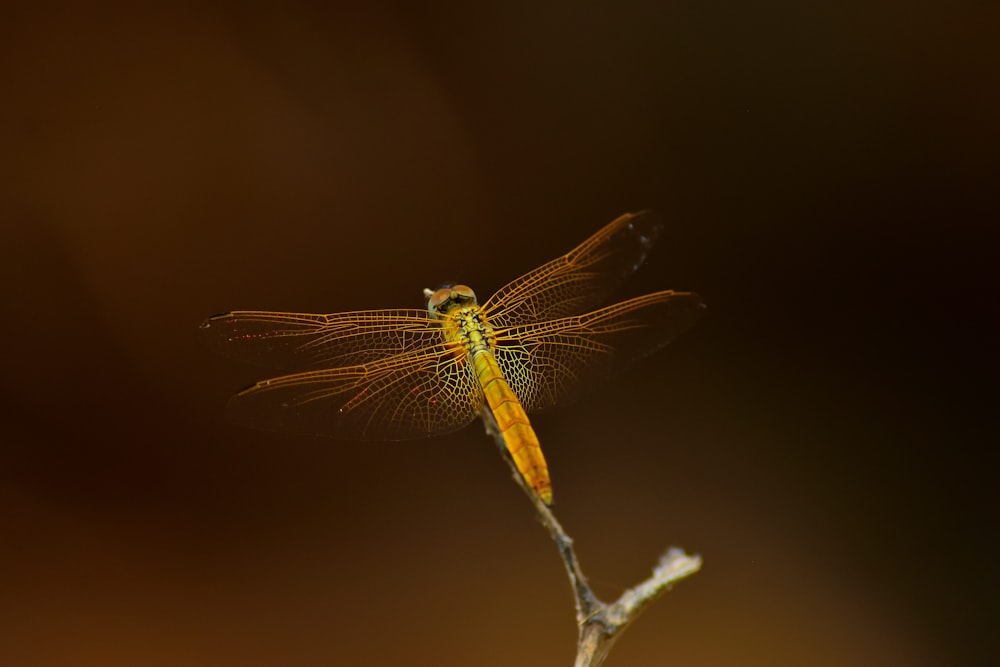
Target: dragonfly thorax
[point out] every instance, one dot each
(448, 299)
(470, 329)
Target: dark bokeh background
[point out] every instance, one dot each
(819, 438)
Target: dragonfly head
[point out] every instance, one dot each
(449, 298)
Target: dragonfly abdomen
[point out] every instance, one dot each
(518, 435)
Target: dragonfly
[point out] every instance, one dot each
(540, 341)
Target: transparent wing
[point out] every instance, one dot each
(554, 362)
(579, 280)
(300, 341)
(410, 395)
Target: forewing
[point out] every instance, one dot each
(553, 362)
(300, 341)
(407, 396)
(581, 279)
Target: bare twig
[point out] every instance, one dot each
(599, 623)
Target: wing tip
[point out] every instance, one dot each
(208, 321)
(256, 386)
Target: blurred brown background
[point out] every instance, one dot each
(819, 438)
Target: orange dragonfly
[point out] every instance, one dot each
(402, 374)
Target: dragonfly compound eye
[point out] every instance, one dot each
(446, 298)
(438, 298)
(464, 293)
